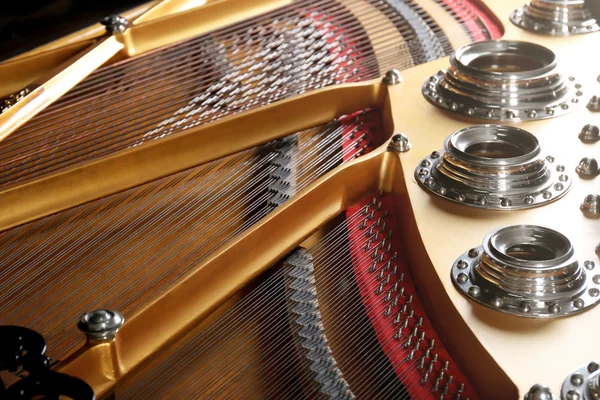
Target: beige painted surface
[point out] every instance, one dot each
(529, 351)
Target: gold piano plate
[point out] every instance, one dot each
(502, 355)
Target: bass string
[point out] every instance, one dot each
(323, 267)
(119, 261)
(247, 305)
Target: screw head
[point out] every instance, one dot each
(497, 302)
(525, 307)
(577, 379)
(462, 278)
(115, 24)
(592, 367)
(100, 324)
(400, 143)
(587, 168)
(474, 291)
(539, 392)
(473, 253)
(392, 77)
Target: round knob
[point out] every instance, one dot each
(587, 168)
(115, 24)
(591, 205)
(539, 392)
(392, 77)
(100, 324)
(400, 142)
(589, 133)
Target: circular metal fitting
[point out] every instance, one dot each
(392, 77)
(594, 104)
(100, 324)
(527, 271)
(587, 168)
(400, 143)
(503, 81)
(115, 24)
(555, 17)
(493, 167)
(583, 383)
(589, 134)
(591, 205)
(539, 392)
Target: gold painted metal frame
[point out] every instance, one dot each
(502, 355)
(48, 75)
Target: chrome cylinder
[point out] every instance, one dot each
(493, 167)
(503, 81)
(555, 17)
(528, 271)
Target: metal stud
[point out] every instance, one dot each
(100, 324)
(539, 392)
(400, 143)
(591, 205)
(587, 168)
(589, 134)
(594, 104)
(115, 24)
(392, 77)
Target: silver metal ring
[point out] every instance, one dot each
(493, 167)
(583, 383)
(503, 81)
(555, 17)
(528, 271)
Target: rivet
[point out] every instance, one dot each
(559, 186)
(462, 264)
(425, 163)
(573, 395)
(392, 77)
(578, 303)
(589, 264)
(400, 143)
(454, 106)
(497, 302)
(550, 159)
(430, 181)
(524, 307)
(442, 190)
(532, 114)
(546, 195)
(482, 201)
(473, 253)
(506, 202)
(596, 279)
(462, 278)
(592, 367)
(435, 154)
(577, 379)
(474, 291)
(554, 309)
(560, 168)
(470, 111)
(460, 197)
(528, 200)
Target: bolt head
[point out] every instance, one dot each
(539, 392)
(100, 324)
(400, 142)
(392, 77)
(474, 291)
(587, 167)
(577, 379)
(473, 253)
(115, 24)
